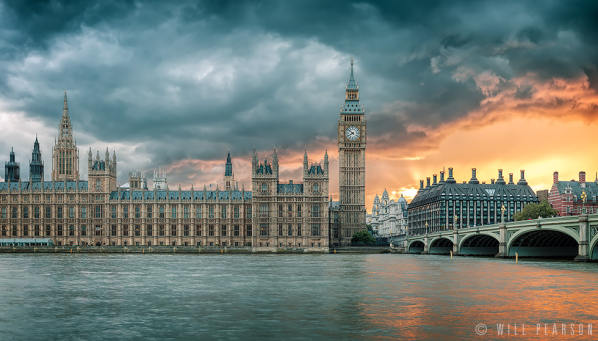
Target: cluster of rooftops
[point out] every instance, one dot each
(473, 189)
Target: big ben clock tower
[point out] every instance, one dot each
(352, 136)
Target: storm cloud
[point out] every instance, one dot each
(163, 83)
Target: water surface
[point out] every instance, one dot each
(78, 296)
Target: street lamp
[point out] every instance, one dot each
(455, 221)
(426, 227)
(502, 213)
(584, 197)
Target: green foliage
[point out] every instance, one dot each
(363, 238)
(533, 211)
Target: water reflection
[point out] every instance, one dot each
(290, 296)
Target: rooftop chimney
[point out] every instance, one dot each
(511, 179)
(427, 182)
(474, 179)
(441, 176)
(555, 177)
(421, 184)
(500, 180)
(522, 179)
(435, 179)
(492, 181)
(582, 177)
(450, 176)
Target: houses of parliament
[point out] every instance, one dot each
(271, 216)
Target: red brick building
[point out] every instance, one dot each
(566, 196)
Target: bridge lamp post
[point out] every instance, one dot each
(454, 222)
(427, 227)
(502, 213)
(584, 197)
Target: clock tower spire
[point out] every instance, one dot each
(351, 151)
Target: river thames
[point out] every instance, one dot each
(75, 296)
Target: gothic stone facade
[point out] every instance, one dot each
(71, 211)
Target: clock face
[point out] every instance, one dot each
(352, 133)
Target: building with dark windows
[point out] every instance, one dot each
(446, 204)
(567, 197)
(11, 169)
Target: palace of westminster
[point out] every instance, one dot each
(271, 216)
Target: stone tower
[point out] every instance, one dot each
(229, 177)
(36, 166)
(102, 172)
(11, 169)
(351, 162)
(65, 155)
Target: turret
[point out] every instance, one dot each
(12, 169)
(500, 180)
(522, 180)
(36, 166)
(474, 179)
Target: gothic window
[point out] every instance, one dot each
(222, 211)
(98, 185)
(290, 210)
(223, 230)
(211, 212)
(248, 211)
(264, 187)
(83, 212)
(58, 232)
(198, 211)
(249, 230)
(137, 211)
(162, 211)
(125, 230)
(36, 212)
(236, 212)
(280, 211)
(315, 211)
(280, 229)
(149, 209)
(48, 230)
(173, 211)
(3, 212)
(149, 230)
(299, 230)
(161, 230)
(98, 230)
(83, 230)
(173, 230)
(316, 188)
(71, 230)
(198, 230)
(290, 230)
(315, 229)
(25, 230)
(25, 212)
(71, 212)
(236, 231)
(113, 211)
(263, 229)
(211, 230)
(186, 211)
(299, 210)
(137, 230)
(186, 230)
(125, 211)
(263, 210)
(98, 213)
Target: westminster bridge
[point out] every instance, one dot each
(570, 236)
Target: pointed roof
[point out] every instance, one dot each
(65, 131)
(352, 83)
(228, 168)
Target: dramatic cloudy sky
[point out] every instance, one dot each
(486, 84)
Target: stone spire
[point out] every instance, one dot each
(352, 84)
(228, 168)
(11, 168)
(65, 155)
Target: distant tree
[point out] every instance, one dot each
(363, 238)
(371, 229)
(533, 211)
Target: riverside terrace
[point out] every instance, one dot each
(559, 237)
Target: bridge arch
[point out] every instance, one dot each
(479, 244)
(416, 246)
(554, 242)
(441, 246)
(593, 248)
